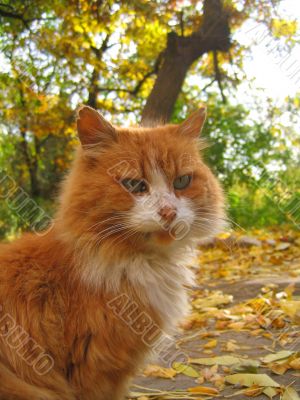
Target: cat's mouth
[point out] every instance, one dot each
(168, 233)
(163, 237)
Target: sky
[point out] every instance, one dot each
(278, 75)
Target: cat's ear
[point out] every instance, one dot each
(193, 125)
(93, 128)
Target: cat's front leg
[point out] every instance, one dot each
(13, 387)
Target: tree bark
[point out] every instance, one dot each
(93, 89)
(181, 52)
(160, 103)
(32, 166)
(31, 161)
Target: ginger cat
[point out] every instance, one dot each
(84, 302)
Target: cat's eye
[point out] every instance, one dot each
(135, 185)
(182, 182)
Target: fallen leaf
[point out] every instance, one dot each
(207, 351)
(159, 372)
(211, 344)
(295, 364)
(209, 391)
(185, 370)
(253, 391)
(290, 394)
(246, 366)
(231, 346)
(223, 360)
(270, 392)
(216, 299)
(209, 373)
(291, 307)
(282, 246)
(251, 379)
(237, 325)
(281, 355)
(278, 369)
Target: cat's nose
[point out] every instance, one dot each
(168, 213)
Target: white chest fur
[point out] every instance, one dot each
(157, 279)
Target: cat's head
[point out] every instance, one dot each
(140, 186)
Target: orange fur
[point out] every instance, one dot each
(41, 287)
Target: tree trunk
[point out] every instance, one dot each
(31, 165)
(160, 103)
(179, 55)
(93, 89)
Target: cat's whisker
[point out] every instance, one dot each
(125, 236)
(110, 230)
(225, 218)
(201, 225)
(203, 219)
(95, 238)
(113, 218)
(113, 230)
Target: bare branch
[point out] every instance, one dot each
(208, 85)
(14, 15)
(138, 86)
(181, 20)
(218, 75)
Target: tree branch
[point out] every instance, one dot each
(208, 85)
(140, 83)
(98, 51)
(93, 89)
(181, 52)
(14, 15)
(181, 21)
(218, 76)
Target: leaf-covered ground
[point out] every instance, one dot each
(243, 337)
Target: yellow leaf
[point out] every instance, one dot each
(251, 379)
(253, 391)
(159, 372)
(270, 392)
(224, 360)
(236, 325)
(291, 308)
(216, 299)
(185, 370)
(208, 391)
(295, 364)
(278, 369)
(281, 355)
(211, 344)
(230, 346)
(290, 394)
(224, 235)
